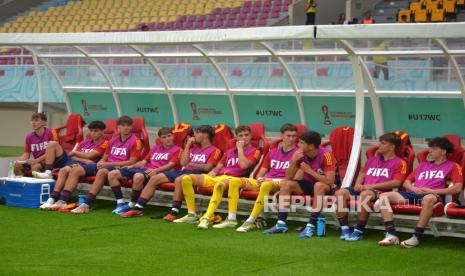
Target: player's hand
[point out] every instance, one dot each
(415, 190)
(240, 144)
(426, 191)
(31, 161)
(260, 181)
(212, 173)
(358, 187)
(151, 172)
(72, 153)
(306, 168)
(190, 141)
(297, 156)
(101, 164)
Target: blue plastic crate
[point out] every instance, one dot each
(26, 192)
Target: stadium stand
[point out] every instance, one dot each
(123, 15)
(431, 11)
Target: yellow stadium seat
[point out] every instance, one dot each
(172, 18)
(37, 30)
(70, 29)
(79, 29)
(437, 15)
(40, 24)
(123, 27)
(32, 13)
(60, 18)
(3, 29)
(20, 19)
(23, 24)
(88, 29)
(449, 6)
(132, 26)
(404, 16)
(421, 15)
(45, 30)
(163, 19)
(62, 29)
(19, 30)
(11, 30)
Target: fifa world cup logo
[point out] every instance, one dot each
(325, 110)
(195, 115)
(84, 107)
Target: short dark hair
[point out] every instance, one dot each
(391, 138)
(39, 115)
(125, 120)
(164, 131)
(96, 125)
(240, 129)
(312, 138)
(442, 143)
(208, 129)
(288, 127)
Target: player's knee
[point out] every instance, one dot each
(52, 144)
(138, 177)
(286, 187)
(341, 193)
(64, 171)
(320, 188)
(113, 174)
(220, 186)
(365, 194)
(428, 201)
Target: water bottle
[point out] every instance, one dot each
(11, 170)
(81, 199)
(321, 226)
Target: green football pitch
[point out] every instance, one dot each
(33, 242)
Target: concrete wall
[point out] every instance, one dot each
(359, 7)
(327, 11)
(13, 8)
(15, 123)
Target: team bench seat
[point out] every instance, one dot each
(454, 210)
(438, 209)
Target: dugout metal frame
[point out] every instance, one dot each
(262, 39)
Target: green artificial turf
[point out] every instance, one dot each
(34, 242)
(10, 151)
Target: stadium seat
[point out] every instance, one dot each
(111, 128)
(420, 16)
(449, 6)
(438, 209)
(181, 132)
(341, 140)
(138, 128)
(437, 15)
(71, 133)
(404, 16)
(223, 134)
(405, 151)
